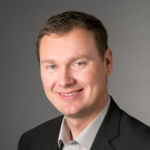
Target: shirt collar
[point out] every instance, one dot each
(64, 134)
(87, 136)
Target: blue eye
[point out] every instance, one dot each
(52, 66)
(79, 63)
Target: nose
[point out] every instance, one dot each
(65, 78)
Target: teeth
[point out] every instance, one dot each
(70, 94)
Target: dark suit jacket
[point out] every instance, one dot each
(119, 131)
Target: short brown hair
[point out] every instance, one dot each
(66, 21)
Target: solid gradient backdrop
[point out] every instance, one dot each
(23, 102)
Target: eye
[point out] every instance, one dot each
(79, 63)
(51, 66)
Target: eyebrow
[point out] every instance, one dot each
(79, 57)
(48, 61)
(72, 59)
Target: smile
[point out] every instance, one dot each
(70, 94)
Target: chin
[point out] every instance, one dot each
(69, 112)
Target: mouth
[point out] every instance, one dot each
(71, 93)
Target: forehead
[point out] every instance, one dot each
(76, 42)
(76, 34)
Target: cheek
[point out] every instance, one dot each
(90, 76)
(94, 78)
(47, 80)
(48, 84)
(44, 79)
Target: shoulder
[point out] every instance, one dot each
(129, 132)
(128, 125)
(134, 126)
(41, 134)
(46, 126)
(134, 132)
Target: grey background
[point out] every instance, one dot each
(23, 102)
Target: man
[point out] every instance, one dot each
(75, 61)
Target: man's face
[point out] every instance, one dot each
(73, 74)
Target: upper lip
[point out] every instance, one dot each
(69, 91)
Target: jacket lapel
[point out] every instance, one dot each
(109, 129)
(52, 145)
(101, 143)
(52, 142)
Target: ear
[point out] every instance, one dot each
(108, 60)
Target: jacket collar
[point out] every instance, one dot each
(109, 129)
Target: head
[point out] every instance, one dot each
(62, 23)
(74, 62)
